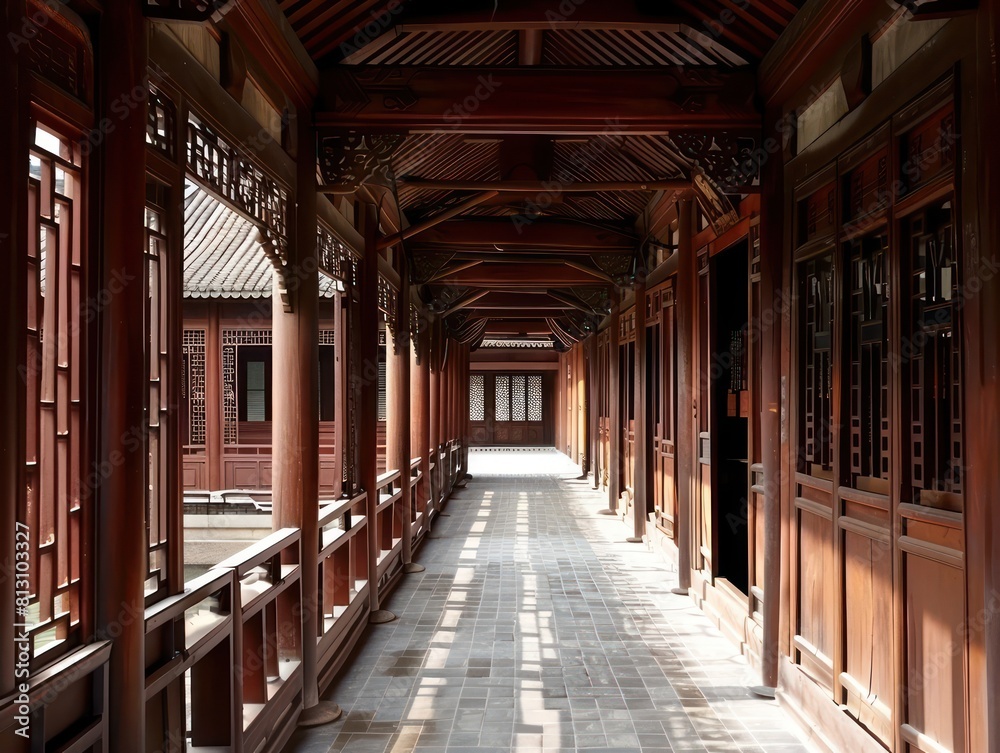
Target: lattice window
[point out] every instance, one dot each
(193, 420)
(336, 258)
(161, 118)
(477, 397)
(816, 363)
(159, 380)
(226, 171)
(502, 384)
(932, 351)
(327, 337)
(518, 398)
(56, 493)
(231, 340)
(868, 348)
(535, 397)
(387, 301)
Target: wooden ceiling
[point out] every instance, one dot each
(530, 148)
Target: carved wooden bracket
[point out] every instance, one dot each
(350, 160)
(727, 158)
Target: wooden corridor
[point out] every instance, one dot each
(528, 634)
(738, 260)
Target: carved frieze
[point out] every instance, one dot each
(350, 160)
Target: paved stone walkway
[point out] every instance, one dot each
(537, 628)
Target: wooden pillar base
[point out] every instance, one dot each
(635, 539)
(680, 591)
(380, 617)
(324, 712)
(607, 511)
(763, 691)
(413, 567)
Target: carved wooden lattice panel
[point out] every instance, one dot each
(224, 170)
(932, 341)
(231, 340)
(158, 394)
(535, 397)
(335, 257)
(477, 397)
(868, 351)
(56, 489)
(193, 389)
(816, 362)
(518, 398)
(161, 118)
(502, 383)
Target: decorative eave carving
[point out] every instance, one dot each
(349, 160)
(728, 159)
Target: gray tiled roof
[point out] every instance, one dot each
(222, 256)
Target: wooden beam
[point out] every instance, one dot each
(437, 219)
(554, 274)
(543, 186)
(465, 300)
(486, 15)
(454, 269)
(578, 100)
(542, 233)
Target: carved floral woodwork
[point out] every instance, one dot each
(352, 159)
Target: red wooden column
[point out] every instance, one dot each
(420, 428)
(593, 438)
(463, 408)
(398, 410)
(434, 409)
(120, 373)
(368, 403)
(981, 322)
(686, 445)
(771, 263)
(642, 482)
(13, 288)
(295, 418)
(614, 412)
(341, 382)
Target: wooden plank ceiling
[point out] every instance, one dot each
(531, 148)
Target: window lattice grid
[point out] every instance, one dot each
(518, 398)
(935, 374)
(502, 385)
(160, 118)
(327, 337)
(52, 505)
(477, 397)
(193, 386)
(535, 397)
(867, 337)
(231, 340)
(816, 367)
(159, 381)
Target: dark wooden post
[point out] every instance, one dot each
(13, 180)
(341, 383)
(368, 403)
(614, 411)
(434, 410)
(295, 417)
(420, 429)
(771, 263)
(981, 321)
(593, 440)
(643, 442)
(686, 445)
(120, 514)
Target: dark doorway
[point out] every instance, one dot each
(730, 413)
